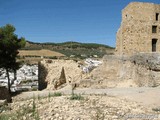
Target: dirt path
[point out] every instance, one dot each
(149, 97)
(144, 95)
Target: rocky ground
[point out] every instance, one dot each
(86, 104)
(87, 107)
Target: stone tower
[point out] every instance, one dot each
(139, 30)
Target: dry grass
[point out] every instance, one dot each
(43, 52)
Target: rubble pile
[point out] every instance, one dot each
(93, 107)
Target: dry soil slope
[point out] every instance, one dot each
(43, 52)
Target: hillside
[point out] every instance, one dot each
(42, 52)
(74, 49)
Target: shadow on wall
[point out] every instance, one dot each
(42, 73)
(62, 79)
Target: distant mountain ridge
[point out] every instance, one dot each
(72, 48)
(72, 43)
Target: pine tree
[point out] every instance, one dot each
(9, 45)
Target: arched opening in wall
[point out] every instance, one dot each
(154, 42)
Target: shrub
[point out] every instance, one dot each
(156, 109)
(76, 97)
(56, 94)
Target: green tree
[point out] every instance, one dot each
(9, 45)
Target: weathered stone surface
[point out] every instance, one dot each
(61, 80)
(148, 60)
(136, 51)
(58, 72)
(114, 69)
(135, 33)
(142, 68)
(146, 69)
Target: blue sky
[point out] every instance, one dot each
(94, 21)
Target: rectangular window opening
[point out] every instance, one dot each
(154, 42)
(157, 15)
(154, 29)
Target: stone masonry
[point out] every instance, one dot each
(137, 55)
(143, 69)
(139, 30)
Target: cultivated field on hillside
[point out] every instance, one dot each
(43, 52)
(78, 50)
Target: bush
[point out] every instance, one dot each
(56, 94)
(156, 109)
(76, 97)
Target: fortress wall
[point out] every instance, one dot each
(135, 33)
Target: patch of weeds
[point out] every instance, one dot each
(76, 97)
(156, 109)
(25, 112)
(37, 117)
(33, 106)
(5, 116)
(56, 94)
(22, 113)
(35, 113)
(49, 96)
(4, 108)
(39, 97)
(18, 115)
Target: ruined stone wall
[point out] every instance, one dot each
(110, 67)
(115, 71)
(52, 72)
(135, 33)
(146, 69)
(116, 67)
(143, 69)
